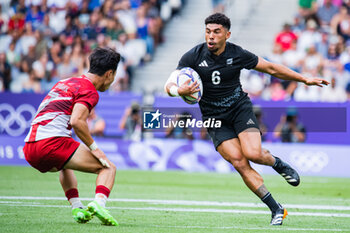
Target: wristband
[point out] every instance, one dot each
(173, 90)
(93, 146)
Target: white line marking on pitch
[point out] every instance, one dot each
(197, 210)
(192, 203)
(205, 210)
(251, 228)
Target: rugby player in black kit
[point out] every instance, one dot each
(238, 139)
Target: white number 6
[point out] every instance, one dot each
(215, 77)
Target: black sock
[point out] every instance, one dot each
(270, 202)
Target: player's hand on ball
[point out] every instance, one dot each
(101, 157)
(316, 82)
(187, 89)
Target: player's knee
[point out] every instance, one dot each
(240, 165)
(113, 168)
(253, 154)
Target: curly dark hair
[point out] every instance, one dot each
(219, 18)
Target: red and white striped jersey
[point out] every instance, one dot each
(53, 116)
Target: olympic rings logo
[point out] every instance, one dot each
(309, 160)
(14, 121)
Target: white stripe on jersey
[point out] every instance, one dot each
(55, 128)
(46, 116)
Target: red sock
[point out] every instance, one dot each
(102, 189)
(71, 193)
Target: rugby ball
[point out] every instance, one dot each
(189, 73)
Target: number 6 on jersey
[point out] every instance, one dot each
(215, 77)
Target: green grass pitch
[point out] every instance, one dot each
(159, 202)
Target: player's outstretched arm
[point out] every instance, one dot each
(283, 72)
(78, 122)
(185, 89)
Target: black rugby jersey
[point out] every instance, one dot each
(220, 75)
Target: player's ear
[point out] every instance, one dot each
(108, 73)
(228, 34)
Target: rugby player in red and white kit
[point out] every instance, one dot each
(49, 146)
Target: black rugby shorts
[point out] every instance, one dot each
(234, 121)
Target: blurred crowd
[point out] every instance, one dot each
(316, 44)
(44, 41)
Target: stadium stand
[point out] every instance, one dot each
(315, 44)
(44, 41)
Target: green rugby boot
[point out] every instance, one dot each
(81, 215)
(102, 213)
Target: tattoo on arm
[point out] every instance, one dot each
(261, 191)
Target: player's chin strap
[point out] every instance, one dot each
(104, 162)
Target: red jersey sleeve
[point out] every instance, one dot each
(87, 97)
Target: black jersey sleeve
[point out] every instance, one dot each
(187, 60)
(248, 60)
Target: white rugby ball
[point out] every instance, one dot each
(189, 73)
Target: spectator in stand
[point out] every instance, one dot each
(332, 63)
(307, 8)
(340, 23)
(16, 23)
(32, 85)
(113, 28)
(305, 93)
(309, 37)
(3, 20)
(131, 123)
(107, 9)
(126, 17)
(27, 39)
(325, 13)
(49, 81)
(143, 30)
(67, 68)
(56, 51)
(275, 92)
(22, 77)
(96, 124)
(155, 22)
(286, 37)
(322, 47)
(5, 72)
(12, 56)
(34, 15)
(42, 67)
(77, 57)
(253, 83)
(334, 93)
(276, 55)
(218, 6)
(57, 19)
(41, 44)
(292, 57)
(289, 129)
(312, 62)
